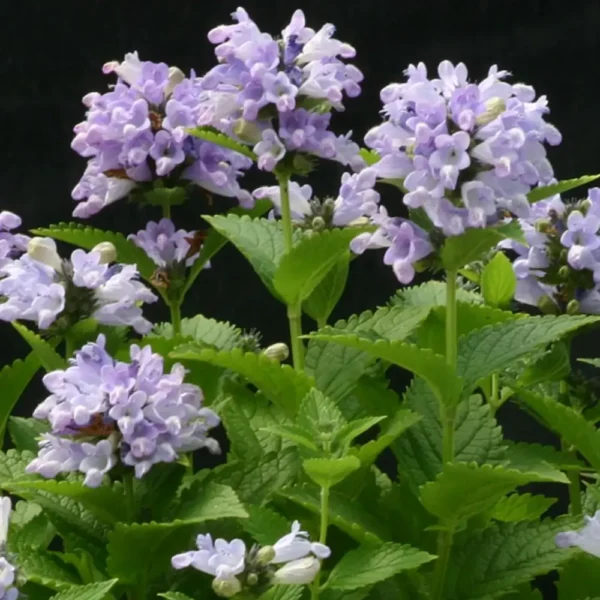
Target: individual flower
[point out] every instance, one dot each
(588, 538)
(11, 244)
(558, 266)
(8, 571)
(103, 412)
(467, 152)
(136, 135)
(292, 560)
(277, 94)
(39, 286)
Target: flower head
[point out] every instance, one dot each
(102, 412)
(11, 244)
(588, 538)
(8, 591)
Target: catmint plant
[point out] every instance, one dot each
(116, 496)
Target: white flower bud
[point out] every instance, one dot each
(226, 588)
(5, 509)
(265, 555)
(43, 250)
(176, 76)
(278, 352)
(107, 251)
(247, 131)
(298, 572)
(494, 108)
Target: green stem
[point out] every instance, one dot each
(494, 401)
(574, 482)
(166, 210)
(294, 311)
(448, 414)
(69, 347)
(321, 323)
(129, 495)
(316, 584)
(175, 308)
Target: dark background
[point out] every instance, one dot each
(52, 54)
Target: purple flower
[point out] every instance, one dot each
(11, 244)
(166, 152)
(269, 150)
(588, 539)
(102, 411)
(581, 238)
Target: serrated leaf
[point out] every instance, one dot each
(24, 433)
(14, 379)
(369, 565)
(347, 514)
(208, 502)
(280, 383)
(496, 560)
(579, 578)
(595, 362)
(462, 490)
(570, 425)
(424, 363)
(283, 592)
(498, 281)
(432, 293)
(305, 266)
(493, 348)
(319, 415)
(47, 569)
(324, 298)
(265, 525)
(47, 355)
(349, 432)
(38, 532)
(92, 591)
(369, 156)
(294, 434)
(521, 507)
(526, 455)
(175, 596)
(88, 237)
(554, 365)
(327, 472)
(220, 335)
(212, 135)
(540, 193)
(469, 247)
(338, 368)
(106, 502)
(259, 240)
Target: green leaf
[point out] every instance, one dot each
(212, 135)
(259, 240)
(24, 433)
(165, 196)
(208, 332)
(47, 569)
(14, 379)
(295, 434)
(494, 348)
(521, 507)
(265, 525)
(302, 269)
(88, 237)
(530, 454)
(347, 514)
(498, 281)
(283, 592)
(595, 362)
(579, 578)
(571, 426)
(368, 565)
(338, 368)
(496, 560)
(432, 293)
(369, 156)
(553, 365)
(346, 435)
(327, 472)
(47, 355)
(319, 415)
(462, 490)
(106, 502)
(461, 250)
(422, 362)
(280, 383)
(175, 596)
(324, 298)
(540, 193)
(208, 502)
(92, 591)
(38, 532)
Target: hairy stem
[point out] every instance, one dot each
(316, 584)
(175, 308)
(294, 311)
(448, 414)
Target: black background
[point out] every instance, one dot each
(52, 54)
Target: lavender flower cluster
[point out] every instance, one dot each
(8, 571)
(11, 244)
(136, 133)
(277, 94)
(101, 411)
(233, 566)
(39, 286)
(560, 267)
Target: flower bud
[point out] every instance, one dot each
(298, 572)
(543, 225)
(564, 255)
(226, 588)
(573, 307)
(328, 206)
(494, 108)
(359, 222)
(265, 555)
(278, 352)
(176, 76)
(563, 272)
(586, 205)
(547, 306)
(44, 251)
(247, 131)
(318, 224)
(252, 579)
(107, 251)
